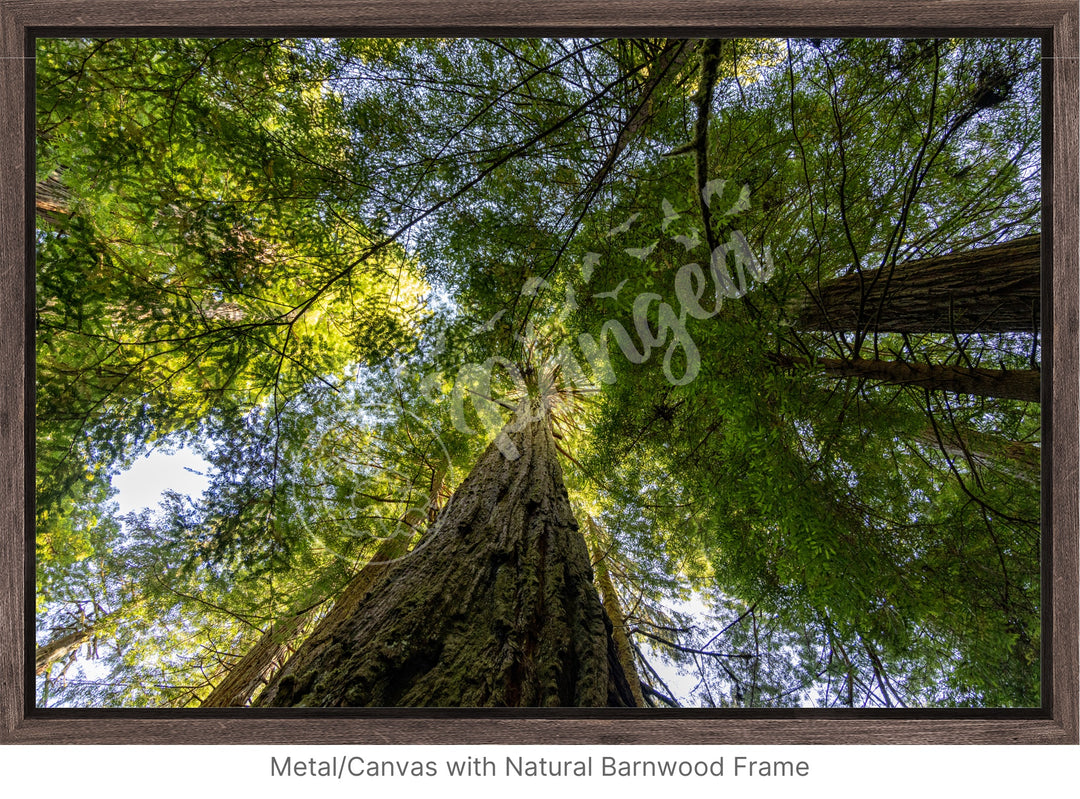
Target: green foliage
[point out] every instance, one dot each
(293, 255)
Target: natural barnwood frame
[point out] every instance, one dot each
(1053, 20)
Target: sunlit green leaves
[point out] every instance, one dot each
(295, 255)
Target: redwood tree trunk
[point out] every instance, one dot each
(495, 607)
(257, 666)
(258, 663)
(52, 198)
(988, 290)
(1018, 457)
(610, 599)
(621, 641)
(1020, 384)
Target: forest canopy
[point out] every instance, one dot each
(651, 372)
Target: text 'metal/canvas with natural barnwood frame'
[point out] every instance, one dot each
(644, 375)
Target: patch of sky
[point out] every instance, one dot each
(144, 483)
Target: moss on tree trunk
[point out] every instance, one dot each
(609, 597)
(495, 607)
(250, 671)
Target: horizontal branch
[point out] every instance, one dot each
(988, 290)
(1018, 384)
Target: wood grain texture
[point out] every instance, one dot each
(14, 271)
(550, 16)
(1061, 393)
(1057, 722)
(631, 727)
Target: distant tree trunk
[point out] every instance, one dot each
(1019, 384)
(52, 198)
(254, 668)
(988, 290)
(613, 608)
(495, 607)
(59, 648)
(268, 654)
(1017, 458)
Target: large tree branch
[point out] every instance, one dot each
(58, 648)
(1018, 384)
(988, 290)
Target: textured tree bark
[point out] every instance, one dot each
(619, 638)
(255, 667)
(988, 290)
(1019, 384)
(58, 648)
(613, 608)
(52, 198)
(495, 607)
(258, 664)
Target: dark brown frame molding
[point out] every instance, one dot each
(1055, 21)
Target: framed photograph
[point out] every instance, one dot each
(496, 373)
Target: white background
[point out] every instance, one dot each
(874, 772)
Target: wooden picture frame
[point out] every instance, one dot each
(1055, 21)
